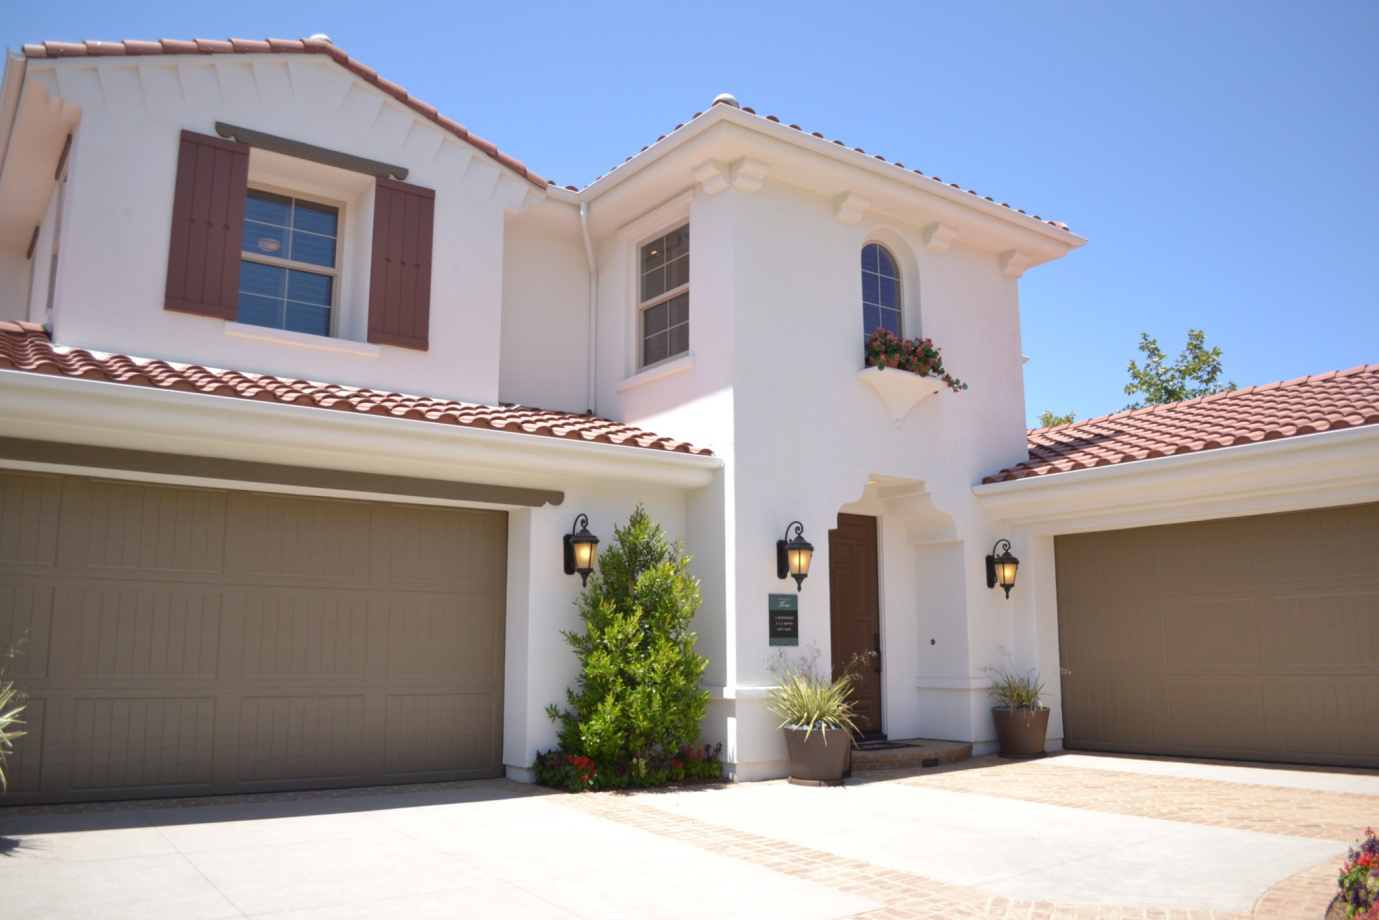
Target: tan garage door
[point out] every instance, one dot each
(189, 641)
(1250, 638)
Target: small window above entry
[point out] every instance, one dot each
(663, 297)
(880, 291)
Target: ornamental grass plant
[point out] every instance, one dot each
(11, 705)
(1012, 690)
(805, 698)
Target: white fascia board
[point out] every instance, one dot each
(1051, 241)
(104, 414)
(1325, 469)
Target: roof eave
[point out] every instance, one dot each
(105, 414)
(1306, 471)
(877, 168)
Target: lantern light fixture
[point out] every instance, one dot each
(1000, 570)
(581, 549)
(793, 555)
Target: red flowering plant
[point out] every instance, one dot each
(1359, 879)
(576, 773)
(918, 356)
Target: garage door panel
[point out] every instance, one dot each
(1320, 548)
(427, 732)
(1205, 553)
(1206, 632)
(294, 633)
(1115, 634)
(1280, 667)
(150, 631)
(301, 737)
(26, 624)
(1336, 715)
(1328, 630)
(116, 526)
(445, 636)
(1214, 714)
(315, 541)
(428, 547)
(29, 519)
(1113, 712)
(119, 742)
(1106, 573)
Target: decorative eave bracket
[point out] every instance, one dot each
(1014, 262)
(938, 236)
(849, 207)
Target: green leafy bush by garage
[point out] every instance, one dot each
(633, 720)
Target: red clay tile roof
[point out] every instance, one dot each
(280, 46)
(750, 111)
(1307, 405)
(26, 347)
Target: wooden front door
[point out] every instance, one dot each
(855, 611)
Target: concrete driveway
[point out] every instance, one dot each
(1073, 835)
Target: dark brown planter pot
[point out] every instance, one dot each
(1021, 732)
(821, 759)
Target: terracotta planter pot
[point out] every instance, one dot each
(821, 759)
(1021, 732)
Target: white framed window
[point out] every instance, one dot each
(663, 296)
(289, 275)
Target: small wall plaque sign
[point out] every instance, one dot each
(785, 619)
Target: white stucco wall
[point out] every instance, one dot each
(113, 268)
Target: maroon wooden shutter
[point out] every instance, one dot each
(400, 280)
(207, 226)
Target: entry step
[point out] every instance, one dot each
(910, 752)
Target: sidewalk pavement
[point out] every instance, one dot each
(1071, 836)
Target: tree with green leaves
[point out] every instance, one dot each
(638, 704)
(1194, 374)
(1047, 419)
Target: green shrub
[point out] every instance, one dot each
(638, 704)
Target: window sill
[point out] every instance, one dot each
(660, 371)
(302, 340)
(899, 390)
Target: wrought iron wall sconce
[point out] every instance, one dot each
(793, 555)
(1000, 570)
(581, 549)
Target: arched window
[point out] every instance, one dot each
(880, 290)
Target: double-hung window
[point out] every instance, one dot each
(664, 296)
(289, 263)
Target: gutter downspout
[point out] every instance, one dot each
(592, 401)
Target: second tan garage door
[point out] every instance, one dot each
(1249, 638)
(189, 641)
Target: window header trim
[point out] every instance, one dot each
(304, 151)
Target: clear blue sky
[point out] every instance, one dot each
(1222, 158)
